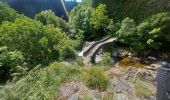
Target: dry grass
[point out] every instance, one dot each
(142, 89)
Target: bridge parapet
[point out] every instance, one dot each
(90, 53)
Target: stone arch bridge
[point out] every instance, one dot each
(90, 52)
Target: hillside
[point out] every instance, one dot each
(107, 50)
(32, 7)
(135, 9)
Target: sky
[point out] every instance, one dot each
(78, 0)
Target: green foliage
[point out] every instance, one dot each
(68, 52)
(99, 18)
(48, 17)
(7, 13)
(135, 9)
(127, 34)
(93, 22)
(80, 19)
(41, 83)
(39, 44)
(106, 59)
(9, 63)
(99, 21)
(95, 77)
(127, 30)
(112, 28)
(159, 35)
(153, 33)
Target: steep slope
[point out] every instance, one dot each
(31, 7)
(136, 9)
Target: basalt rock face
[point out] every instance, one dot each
(136, 9)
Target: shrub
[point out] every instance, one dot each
(39, 44)
(42, 84)
(99, 21)
(48, 17)
(127, 31)
(7, 13)
(68, 53)
(106, 59)
(142, 89)
(112, 28)
(9, 63)
(152, 33)
(95, 77)
(65, 72)
(80, 19)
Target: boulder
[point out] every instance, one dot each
(74, 90)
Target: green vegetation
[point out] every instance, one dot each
(95, 77)
(26, 42)
(43, 83)
(7, 13)
(138, 10)
(48, 17)
(39, 55)
(38, 84)
(142, 89)
(99, 21)
(10, 62)
(139, 29)
(152, 34)
(92, 21)
(39, 44)
(107, 59)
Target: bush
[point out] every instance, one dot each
(106, 59)
(99, 21)
(95, 77)
(80, 19)
(113, 27)
(39, 44)
(7, 13)
(127, 31)
(9, 63)
(65, 72)
(152, 33)
(48, 17)
(142, 89)
(42, 84)
(68, 53)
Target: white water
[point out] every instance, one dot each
(81, 53)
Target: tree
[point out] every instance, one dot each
(39, 44)
(152, 33)
(155, 31)
(128, 35)
(127, 30)
(7, 13)
(113, 27)
(48, 17)
(135, 9)
(100, 21)
(79, 19)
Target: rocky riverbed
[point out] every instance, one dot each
(127, 82)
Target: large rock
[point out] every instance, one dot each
(74, 91)
(133, 74)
